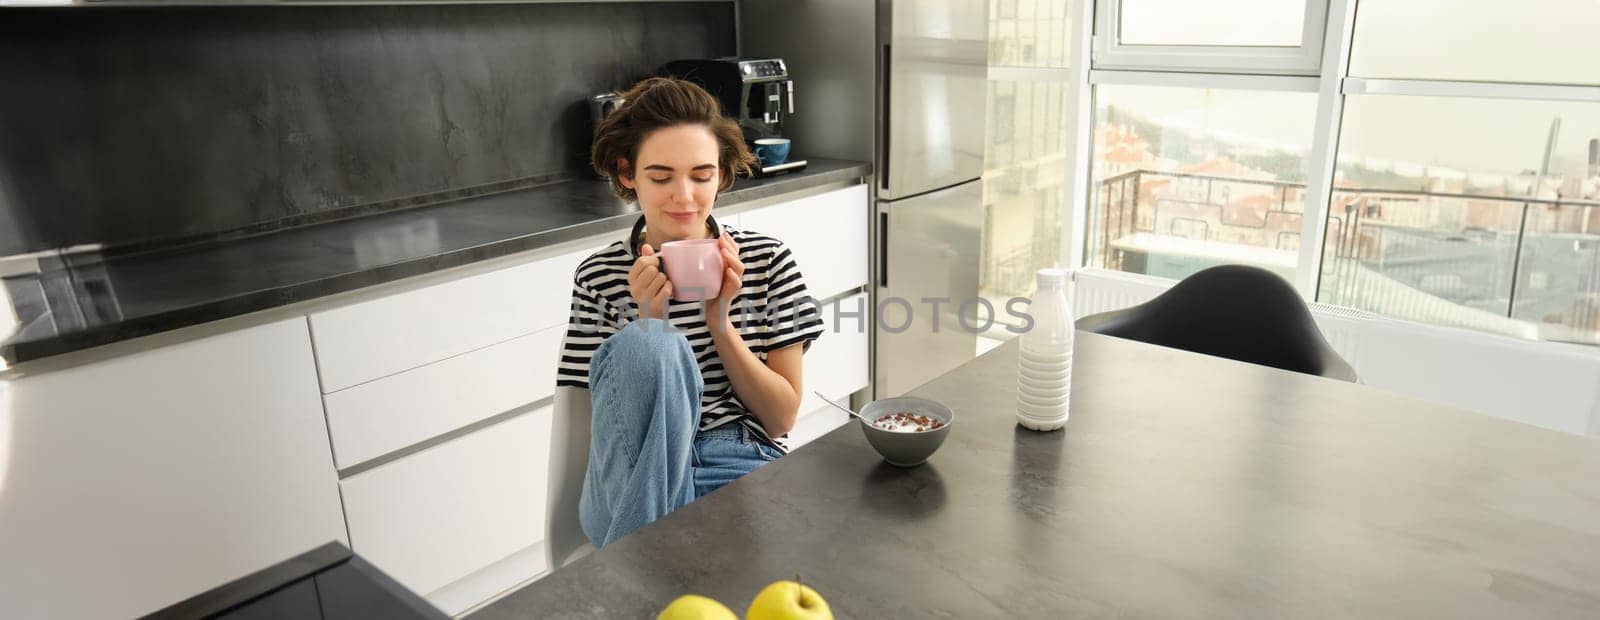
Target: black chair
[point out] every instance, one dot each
(1241, 313)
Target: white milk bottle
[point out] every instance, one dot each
(1044, 365)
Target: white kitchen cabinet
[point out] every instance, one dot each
(132, 483)
(487, 583)
(445, 514)
(837, 366)
(827, 233)
(381, 337)
(403, 409)
(815, 424)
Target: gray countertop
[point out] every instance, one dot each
(1184, 486)
(97, 300)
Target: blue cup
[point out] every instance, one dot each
(772, 151)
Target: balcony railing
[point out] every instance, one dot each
(1524, 266)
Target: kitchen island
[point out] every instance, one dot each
(1184, 486)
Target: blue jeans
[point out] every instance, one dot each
(645, 457)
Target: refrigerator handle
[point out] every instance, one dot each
(883, 250)
(883, 122)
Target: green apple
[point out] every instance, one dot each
(696, 607)
(788, 600)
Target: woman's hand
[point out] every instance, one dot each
(732, 280)
(648, 285)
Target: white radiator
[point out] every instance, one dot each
(1552, 385)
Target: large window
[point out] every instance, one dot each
(1428, 160)
(1189, 178)
(1024, 191)
(1278, 23)
(1278, 36)
(1029, 33)
(1527, 41)
(1467, 184)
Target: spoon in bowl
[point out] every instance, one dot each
(841, 407)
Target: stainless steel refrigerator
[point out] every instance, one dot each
(933, 68)
(901, 82)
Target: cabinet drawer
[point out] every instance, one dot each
(836, 365)
(131, 483)
(378, 338)
(827, 234)
(402, 409)
(816, 424)
(436, 516)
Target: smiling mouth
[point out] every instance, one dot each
(681, 216)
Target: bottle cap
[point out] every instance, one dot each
(1051, 278)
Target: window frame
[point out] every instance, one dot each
(1109, 52)
(1332, 82)
(1332, 51)
(1471, 90)
(1308, 265)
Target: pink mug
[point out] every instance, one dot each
(694, 266)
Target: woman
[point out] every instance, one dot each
(686, 396)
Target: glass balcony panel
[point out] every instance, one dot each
(1188, 178)
(1473, 213)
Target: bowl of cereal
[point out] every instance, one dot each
(906, 430)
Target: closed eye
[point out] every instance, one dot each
(705, 179)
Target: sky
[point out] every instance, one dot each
(1478, 135)
(1521, 41)
(1548, 41)
(1212, 22)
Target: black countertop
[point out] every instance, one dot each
(325, 583)
(96, 300)
(1184, 486)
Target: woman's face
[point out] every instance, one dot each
(676, 179)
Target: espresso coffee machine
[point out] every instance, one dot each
(601, 106)
(757, 93)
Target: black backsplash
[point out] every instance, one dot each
(130, 125)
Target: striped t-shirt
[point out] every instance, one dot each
(772, 310)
